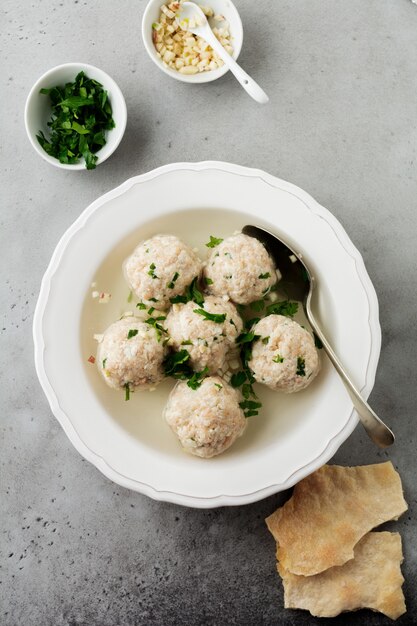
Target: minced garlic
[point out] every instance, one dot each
(182, 51)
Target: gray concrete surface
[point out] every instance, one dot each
(342, 123)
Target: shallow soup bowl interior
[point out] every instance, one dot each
(129, 441)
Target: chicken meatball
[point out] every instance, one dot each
(284, 357)
(208, 341)
(207, 420)
(131, 354)
(241, 268)
(161, 268)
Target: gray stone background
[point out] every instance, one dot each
(342, 124)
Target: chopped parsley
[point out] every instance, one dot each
(130, 296)
(218, 386)
(140, 305)
(187, 342)
(265, 340)
(287, 308)
(233, 323)
(154, 321)
(250, 407)
(245, 377)
(81, 115)
(247, 337)
(174, 279)
(191, 293)
(258, 305)
(238, 379)
(266, 275)
(104, 362)
(219, 318)
(301, 366)
(317, 342)
(127, 391)
(197, 378)
(132, 333)
(153, 300)
(214, 241)
(208, 281)
(278, 359)
(151, 310)
(152, 269)
(176, 365)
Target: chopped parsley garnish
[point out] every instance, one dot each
(258, 305)
(238, 379)
(208, 281)
(301, 366)
(151, 272)
(247, 337)
(130, 296)
(285, 307)
(317, 342)
(265, 340)
(127, 391)
(174, 279)
(153, 321)
(197, 378)
(247, 391)
(245, 377)
(219, 318)
(278, 359)
(176, 365)
(151, 310)
(180, 299)
(250, 407)
(191, 293)
(232, 323)
(104, 362)
(187, 342)
(266, 275)
(81, 115)
(132, 333)
(214, 241)
(153, 300)
(218, 386)
(140, 305)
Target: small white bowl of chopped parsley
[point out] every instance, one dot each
(75, 116)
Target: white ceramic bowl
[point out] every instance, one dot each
(129, 441)
(38, 110)
(222, 7)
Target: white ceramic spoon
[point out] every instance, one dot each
(198, 25)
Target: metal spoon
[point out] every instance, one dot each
(197, 24)
(299, 283)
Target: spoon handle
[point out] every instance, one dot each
(248, 84)
(374, 426)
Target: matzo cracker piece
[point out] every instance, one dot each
(372, 579)
(329, 512)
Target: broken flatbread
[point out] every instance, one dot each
(372, 579)
(330, 511)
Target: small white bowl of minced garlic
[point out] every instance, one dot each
(182, 55)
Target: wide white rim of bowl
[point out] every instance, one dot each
(114, 91)
(330, 446)
(202, 77)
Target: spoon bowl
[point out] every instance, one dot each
(299, 283)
